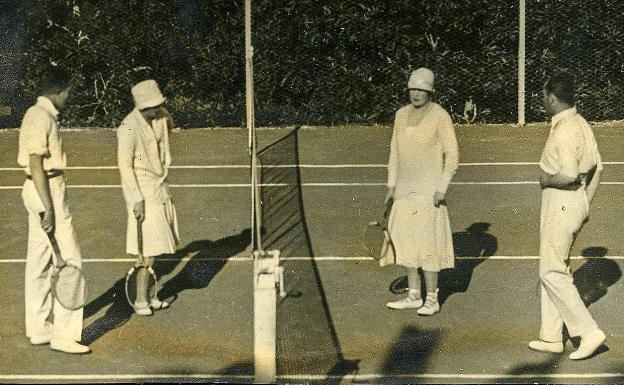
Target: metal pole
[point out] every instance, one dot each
(250, 115)
(521, 62)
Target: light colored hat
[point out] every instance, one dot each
(421, 79)
(146, 94)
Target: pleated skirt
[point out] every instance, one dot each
(160, 227)
(421, 234)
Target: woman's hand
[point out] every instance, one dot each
(439, 199)
(139, 210)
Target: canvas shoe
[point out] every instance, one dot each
(157, 304)
(545, 346)
(71, 347)
(412, 301)
(41, 339)
(143, 308)
(590, 342)
(431, 306)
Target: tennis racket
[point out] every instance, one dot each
(376, 237)
(69, 286)
(141, 284)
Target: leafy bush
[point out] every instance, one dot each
(320, 61)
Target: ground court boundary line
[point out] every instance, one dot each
(465, 376)
(320, 259)
(304, 377)
(355, 165)
(308, 184)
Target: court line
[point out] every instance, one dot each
(129, 377)
(347, 165)
(239, 258)
(311, 377)
(310, 184)
(464, 376)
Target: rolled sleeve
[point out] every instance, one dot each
(34, 133)
(566, 148)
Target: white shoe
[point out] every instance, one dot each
(545, 346)
(41, 339)
(70, 347)
(143, 308)
(431, 306)
(590, 342)
(157, 304)
(412, 301)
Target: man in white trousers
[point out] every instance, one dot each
(571, 168)
(41, 155)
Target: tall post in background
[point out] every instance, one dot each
(249, 72)
(521, 62)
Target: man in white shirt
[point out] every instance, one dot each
(41, 155)
(571, 168)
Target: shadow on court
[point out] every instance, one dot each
(471, 247)
(306, 335)
(592, 281)
(409, 355)
(238, 373)
(196, 274)
(595, 276)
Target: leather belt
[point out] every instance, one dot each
(49, 174)
(580, 181)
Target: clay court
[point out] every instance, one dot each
(334, 327)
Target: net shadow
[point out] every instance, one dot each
(306, 335)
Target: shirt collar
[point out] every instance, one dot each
(563, 114)
(47, 105)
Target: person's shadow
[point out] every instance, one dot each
(207, 258)
(471, 247)
(592, 280)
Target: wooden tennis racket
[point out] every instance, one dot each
(376, 237)
(141, 285)
(69, 286)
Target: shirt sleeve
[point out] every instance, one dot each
(449, 150)
(394, 156)
(34, 133)
(125, 160)
(566, 147)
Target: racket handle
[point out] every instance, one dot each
(140, 240)
(388, 208)
(55, 247)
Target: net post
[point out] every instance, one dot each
(266, 276)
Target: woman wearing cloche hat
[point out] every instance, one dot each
(144, 158)
(423, 160)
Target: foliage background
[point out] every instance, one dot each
(316, 62)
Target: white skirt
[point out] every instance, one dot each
(160, 227)
(421, 234)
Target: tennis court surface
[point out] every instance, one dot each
(320, 186)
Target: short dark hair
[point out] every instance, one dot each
(55, 80)
(562, 86)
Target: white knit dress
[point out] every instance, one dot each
(144, 158)
(423, 159)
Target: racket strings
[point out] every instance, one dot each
(141, 286)
(70, 287)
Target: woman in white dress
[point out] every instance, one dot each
(423, 160)
(144, 158)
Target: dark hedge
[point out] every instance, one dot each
(319, 62)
